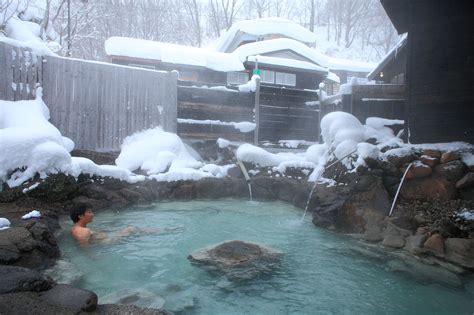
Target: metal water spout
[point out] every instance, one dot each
(316, 181)
(246, 176)
(398, 190)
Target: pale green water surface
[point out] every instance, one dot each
(319, 274)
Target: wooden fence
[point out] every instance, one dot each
(209, 113)
(282, 114)
(285, 114)
(375, 100)
(20, 73)
(95, 104)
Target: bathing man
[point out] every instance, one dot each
(82, 215)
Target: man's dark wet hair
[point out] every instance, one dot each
(78, 210)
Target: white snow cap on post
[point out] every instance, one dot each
(250, 86)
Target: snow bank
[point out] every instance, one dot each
(256, 155)
(29, 142)
(366, 150)
(217, 170)
(165, 157)
(342, 132)
(314, 158)
(154, 151)
(32, 145)
(86, 166)
(375, 127)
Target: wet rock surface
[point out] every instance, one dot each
(17, 279)
(237, 260)
(71, 298)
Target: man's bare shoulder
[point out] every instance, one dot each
(81, 233)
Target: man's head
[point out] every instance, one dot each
(82, 211)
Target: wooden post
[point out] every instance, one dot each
(409, 48)
(257, 111)
(3, 70)
(347, 103)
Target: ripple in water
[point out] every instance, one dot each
(320, 273)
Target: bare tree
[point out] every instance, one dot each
(223, 13)
(261, 6)
(194, 11)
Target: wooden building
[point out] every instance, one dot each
(439, 72)
(281, 62)
(391, 70)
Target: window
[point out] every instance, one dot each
(285, 78)
(267, 76)
(237, 77)
(185, 75)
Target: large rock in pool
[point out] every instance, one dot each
(237, 260)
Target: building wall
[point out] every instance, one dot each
(440, 71)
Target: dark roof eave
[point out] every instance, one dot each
(398, 12)
(386, 60)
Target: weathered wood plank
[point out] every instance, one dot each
(3, 69)
(380, 91)
(10, 74)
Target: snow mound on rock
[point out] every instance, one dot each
(155, 151)
(342, 132)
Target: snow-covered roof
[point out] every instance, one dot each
(281, 44)
(333, 77)
(265, 26)
(186, 55)
(391, 54)
(288, 63)
(350, 65)
(171, 53)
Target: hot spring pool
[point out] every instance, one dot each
(319, 273)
